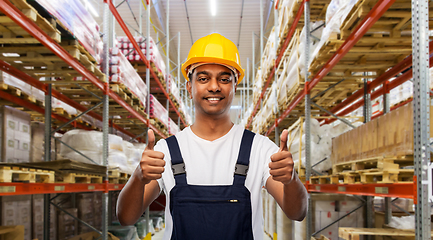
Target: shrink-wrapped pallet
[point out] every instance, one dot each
(34, 93)
(89, 143)
(172, 127)
(122, 72)
(320, 144)
(125, 45)
(269, 54)
(335, 15)
(268, 112)
(75, 17)
(158, 111)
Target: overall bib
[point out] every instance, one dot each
(211, 212)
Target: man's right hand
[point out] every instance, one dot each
(152, 162)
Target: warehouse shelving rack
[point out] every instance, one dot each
(420, 57)
(46, 188)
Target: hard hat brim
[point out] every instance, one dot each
(211, 60)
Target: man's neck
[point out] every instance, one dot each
(211, 129)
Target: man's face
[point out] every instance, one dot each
(212, 87)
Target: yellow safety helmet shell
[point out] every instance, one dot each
(214, 48)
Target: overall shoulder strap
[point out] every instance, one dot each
(242, 164)
(177, 164)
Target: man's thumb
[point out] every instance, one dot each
(150, 139)
(283, 141)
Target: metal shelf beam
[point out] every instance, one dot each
(400, 190)
(8, 189)
(376, 12)
(144, 59)
(18, 17)
(277, 61)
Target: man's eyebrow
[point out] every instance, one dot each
(202, 72)
(219, 74)
(225, 73)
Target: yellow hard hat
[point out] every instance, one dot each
(217, 49)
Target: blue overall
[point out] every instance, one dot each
(211, 212)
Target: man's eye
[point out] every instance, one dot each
(202, 79)
(225, 80)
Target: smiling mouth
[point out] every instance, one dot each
(214, 99)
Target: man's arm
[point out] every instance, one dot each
(291, 197)
(142, 188)
(284, 184)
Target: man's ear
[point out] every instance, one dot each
(189, 88)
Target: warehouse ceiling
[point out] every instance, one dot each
(235, 19)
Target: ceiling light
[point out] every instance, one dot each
(11, 54)
(213, 7)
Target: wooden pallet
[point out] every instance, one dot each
(379, 163)
(385, 44)
(355, 233)
(13, 34)
(12, 173)
(79, 178)
(366, 176)
(117, 177)
(38, 62)
(67, 166)
(287, 16)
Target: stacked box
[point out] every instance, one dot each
(86, 211)
(16, 210)
(66, 224)
(37, 149)
(15, 131)
(97, 204)
(38, 218)
(389, 135)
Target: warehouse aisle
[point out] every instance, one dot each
(158, 236)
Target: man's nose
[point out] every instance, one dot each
(213, 85)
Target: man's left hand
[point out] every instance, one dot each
(282, 165)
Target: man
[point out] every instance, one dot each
(212, 172)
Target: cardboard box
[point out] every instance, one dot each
(86, 211)
(97, 203)
(38, 213)
(15, 135)
(389, 135)
(67, 226)
(16, 210)
(37, 150)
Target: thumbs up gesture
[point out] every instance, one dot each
(152, 162)
(281, 165)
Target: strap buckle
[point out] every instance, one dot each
(241, 170)
(178, 169)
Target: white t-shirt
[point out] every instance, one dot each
(213, 163)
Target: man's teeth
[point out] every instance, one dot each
(213, 99)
